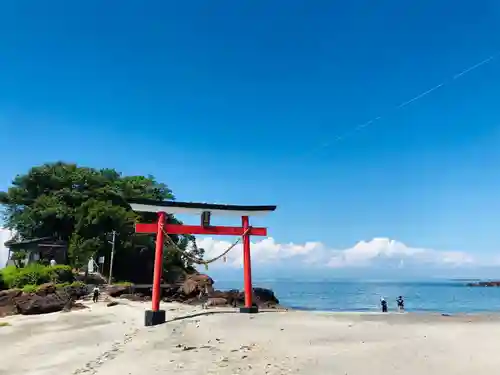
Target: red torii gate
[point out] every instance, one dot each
(162, 208)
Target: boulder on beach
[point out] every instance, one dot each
(48, 298)
(262, 297)
(77, 291)
(217, 301)
(45, 289)
(7, 305)
(117, 290)
(196, 283)
(32, 303)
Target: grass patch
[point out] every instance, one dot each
(5, 324)
(123, 283)
(32, 288)
(35, 274)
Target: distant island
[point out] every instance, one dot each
(485, 283)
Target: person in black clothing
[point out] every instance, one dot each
(401, 304)
(383, 302)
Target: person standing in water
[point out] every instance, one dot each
(401, 304)
(383, 303)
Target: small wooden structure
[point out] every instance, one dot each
(40, 249)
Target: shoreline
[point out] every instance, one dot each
(183, 308)
(374, 311)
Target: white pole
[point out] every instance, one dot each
(112, 258)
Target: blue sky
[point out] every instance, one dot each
(232, 101)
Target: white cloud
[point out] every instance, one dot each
(378, 251)
(5, 235)
(385, 250)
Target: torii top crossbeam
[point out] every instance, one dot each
(157, 316)
(193, 208)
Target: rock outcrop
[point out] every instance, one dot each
(197, 289)
(262, 297)
(193, 289)
(7, 304)
(117, 290)
(32, 303)
(194, 284)
(48, 298)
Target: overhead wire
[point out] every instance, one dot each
(415, 98)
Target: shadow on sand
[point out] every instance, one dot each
(212, 312)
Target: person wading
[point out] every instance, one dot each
(401, 304)
(383, 303)
(95, 296)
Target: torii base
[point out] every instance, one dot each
(153, 318)
(249, 310)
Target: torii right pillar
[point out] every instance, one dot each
(249, 307)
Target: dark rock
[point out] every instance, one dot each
(76, 291)
(217, 301)
(261, 297)
(48, 298)
(265, 297)
(112, 303)
(201, 278)
(7, 298)
(32, 303)
(233, 297)
(194, 284)
(117, 290)
(45, 289)
(485, 283)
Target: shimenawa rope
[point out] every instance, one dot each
(197, 260)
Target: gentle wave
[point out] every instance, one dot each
(443, 296)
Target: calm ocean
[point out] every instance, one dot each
(431, 296)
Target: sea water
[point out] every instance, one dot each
(446, 296)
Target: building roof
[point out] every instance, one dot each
(41, 241)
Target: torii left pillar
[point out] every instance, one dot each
(156, 316)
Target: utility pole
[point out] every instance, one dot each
(112, 257)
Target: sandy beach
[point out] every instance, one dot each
(112, 340)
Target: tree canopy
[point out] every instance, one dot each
(83, 206)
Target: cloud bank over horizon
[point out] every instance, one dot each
(378, 253)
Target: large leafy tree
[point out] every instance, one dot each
(83, 206)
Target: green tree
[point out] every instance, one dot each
(82, 206)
